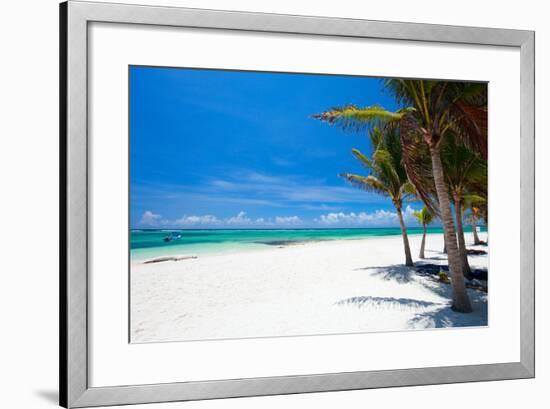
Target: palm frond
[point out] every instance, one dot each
(408, 190)
(470, 200)
(376, 137)
(424, 216)
(368, 183)
(459, 161)
(351, 117)
(469, 123)
(387, 170)
(416, 161)
(366, 162)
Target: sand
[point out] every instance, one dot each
(330, 287)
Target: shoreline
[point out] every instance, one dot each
(256, 246)
(323, 287)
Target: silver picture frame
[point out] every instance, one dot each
(75, 16)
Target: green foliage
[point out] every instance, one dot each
(369, 183)
(444, 277)
(441, 106)
(433, 112)
(471, 200)
(436, 116)
(387, 176)
(462, 166)
(443, 111)
(424, 216)
(351, 117)
(366, 162)
(408, 190)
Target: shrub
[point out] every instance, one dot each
(443, 277)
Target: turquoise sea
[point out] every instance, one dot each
(145, 244)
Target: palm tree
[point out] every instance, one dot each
(387, 175)
(424, 217)
(464, 170)
(478, 207)
(433, 108)
(475, 215)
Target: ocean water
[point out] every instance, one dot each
(146, 244)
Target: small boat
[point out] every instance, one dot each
(172, 237)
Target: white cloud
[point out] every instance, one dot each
(194, 220)
(287, 220)
(241, 218)
(377, 218)
(150, 219)
(358, 218)
(408, 214)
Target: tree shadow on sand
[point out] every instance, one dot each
(427, 314)
(445, 317)
(398, 272)
(440, 258)
(386, 302)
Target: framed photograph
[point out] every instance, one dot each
(259, 204)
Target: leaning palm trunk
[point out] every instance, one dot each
(476, 237)
(461, 302)
(408, 258)
(466, 270)
(423, 245)
(444, 243)
(425, 217)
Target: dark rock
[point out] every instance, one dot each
(474, 252)
(435, 269)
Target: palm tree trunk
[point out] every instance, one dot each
(421, 255)
(408, 258)
(444, 243)
(466, 270)
(461, 302)
(476, 237)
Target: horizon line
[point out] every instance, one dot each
(282, 228)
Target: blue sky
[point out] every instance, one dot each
(219, 149)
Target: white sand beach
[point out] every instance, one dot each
(328, 287)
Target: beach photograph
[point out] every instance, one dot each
(267, 204)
